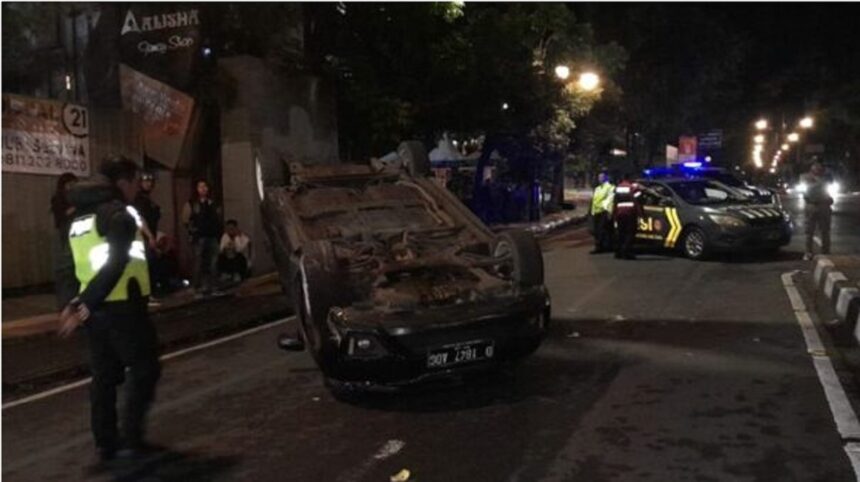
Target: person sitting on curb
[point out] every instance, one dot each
(235, 255)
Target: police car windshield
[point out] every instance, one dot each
(703, 192)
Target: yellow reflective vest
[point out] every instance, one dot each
(91, 251)
(601, 202)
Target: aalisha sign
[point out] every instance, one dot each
(42, 136)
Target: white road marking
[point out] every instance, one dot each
(165, 357)
(843, 414)
(390, 448)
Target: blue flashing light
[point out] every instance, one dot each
(692, 164)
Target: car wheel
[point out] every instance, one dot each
(525, 255)
(694, 243)
(414, 157)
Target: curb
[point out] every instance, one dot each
(843, 296)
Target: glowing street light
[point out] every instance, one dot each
(562, 72)
(589, 81)
(761, 124)
(784, 147)
(793, 137)
(759, 139)
(806, 122)
(505, 106)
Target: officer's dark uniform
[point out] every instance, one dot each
(626, 211)
(110, 264)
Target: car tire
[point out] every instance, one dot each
(526, 257)
(694, 243)
(414, 157)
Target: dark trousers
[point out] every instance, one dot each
(117, 342)
(602, 232)
(818, 219)
(625, 234)
(205, 260)
(236, 264)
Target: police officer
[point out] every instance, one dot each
(625, 213)
(817, 210)
(110, 264)
(601, 210)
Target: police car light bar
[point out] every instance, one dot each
(692, 164)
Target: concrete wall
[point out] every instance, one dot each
(28, 225)
(275, 119)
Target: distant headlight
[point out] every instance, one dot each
(833, 188)
(800, 187)
(727, 221)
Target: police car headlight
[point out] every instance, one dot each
(727, 221)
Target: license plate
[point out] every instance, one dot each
(460, 353)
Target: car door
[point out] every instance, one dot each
(658, 224)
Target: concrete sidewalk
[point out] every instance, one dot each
(40, 318)
(550, 222)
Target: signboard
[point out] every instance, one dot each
(160, 39)
(42, 136)
(686, 148)
(712, 139)
(164, 111)
(671, 154)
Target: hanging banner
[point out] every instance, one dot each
(164, 111)
(42, 136)
(686, 148)
(161, 40)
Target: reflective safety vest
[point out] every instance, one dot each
(91, 251)
(602, 199)
(625, 198)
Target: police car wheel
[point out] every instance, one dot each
(694, 244)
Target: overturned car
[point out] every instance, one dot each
(394, 281)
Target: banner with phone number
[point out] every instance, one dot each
(43, 136)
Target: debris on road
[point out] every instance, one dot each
(401, 476)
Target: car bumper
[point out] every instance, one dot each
(750, 238)
(515, 327)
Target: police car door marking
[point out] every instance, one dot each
(674, 229)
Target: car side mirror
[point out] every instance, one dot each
(289, 342)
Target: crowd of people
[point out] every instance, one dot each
(221, 252)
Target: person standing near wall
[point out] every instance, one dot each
(150, 213)
(65, 284)
(202, 217)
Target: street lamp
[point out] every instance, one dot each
(793, 137)
(759, 139)
(505, 106)
(785, 147)
(562, 72)
(806, 122)
(761, 124)
(589, 81)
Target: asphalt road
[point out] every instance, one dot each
(660, 369)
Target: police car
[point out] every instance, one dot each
(759, 194)
(701, 216)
